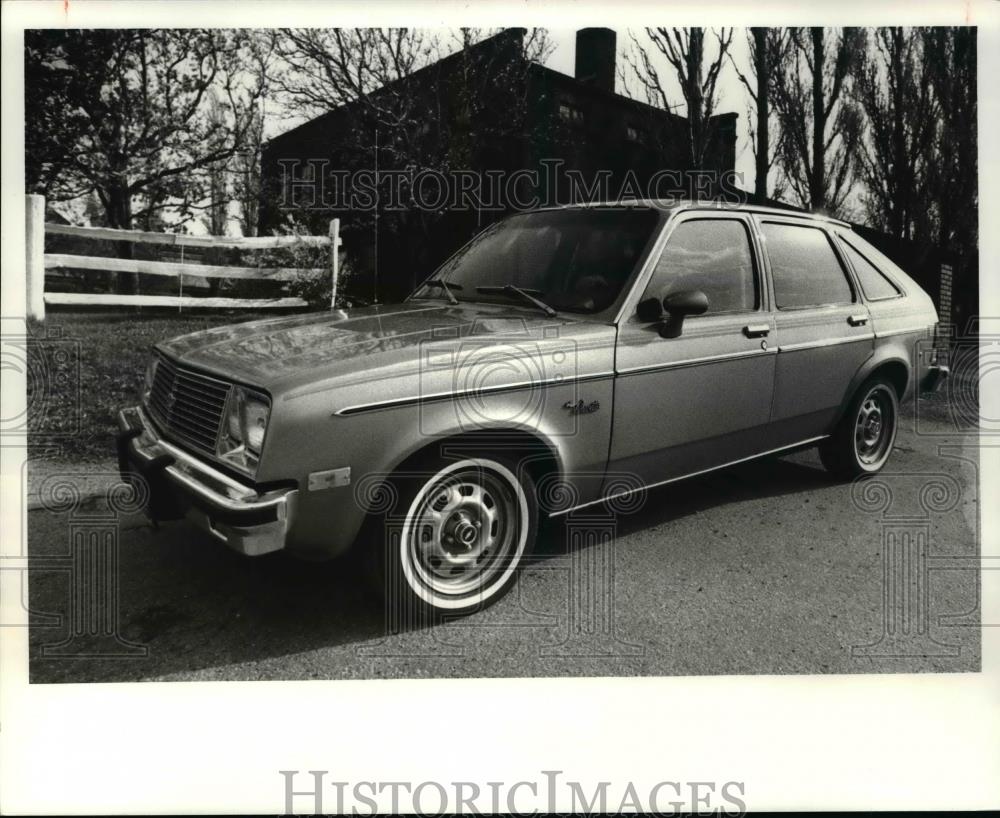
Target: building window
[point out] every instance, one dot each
(570, 113)
(634, 134)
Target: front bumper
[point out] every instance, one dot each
(174, 484)
(936, 375)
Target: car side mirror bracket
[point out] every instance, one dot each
(649, 310)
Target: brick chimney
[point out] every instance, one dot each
(595, 57)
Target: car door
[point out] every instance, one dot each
(703, 398)
(823, 329)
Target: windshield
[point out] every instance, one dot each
(576, 259)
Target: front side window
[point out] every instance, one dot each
(711, 255)
(804, 267)
(574, 259)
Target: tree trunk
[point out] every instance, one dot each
(817, 178)
(902, 168)
(695, 102)
(763, 113)
(119, 209)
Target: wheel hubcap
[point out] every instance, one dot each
(464, 531)
(874, 427)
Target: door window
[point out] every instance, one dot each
(804, 267)
(711, 255)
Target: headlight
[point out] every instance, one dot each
(244, 426)
(255, 413)
(147, 387)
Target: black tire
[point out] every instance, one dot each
(451, 537)
(863, 439)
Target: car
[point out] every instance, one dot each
(563, 358)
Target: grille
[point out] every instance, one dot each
(188, 405)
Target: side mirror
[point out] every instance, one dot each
(686, 302)
(679, 305)
(649, 310)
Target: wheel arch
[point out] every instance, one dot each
(537, 454)
(890, 363)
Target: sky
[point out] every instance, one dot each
(732, 94)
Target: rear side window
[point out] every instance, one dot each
(874, 282)
(804, 267)
(711, 255)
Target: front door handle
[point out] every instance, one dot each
(857, 320)
(756, 330)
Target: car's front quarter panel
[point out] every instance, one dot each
(370, 423)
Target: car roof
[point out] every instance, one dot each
(677, 205)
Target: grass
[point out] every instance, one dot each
(83, 368)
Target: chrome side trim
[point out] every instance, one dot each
(728, 356)
(648, 486)
(395, 403)
(906, 331)
(826, 342)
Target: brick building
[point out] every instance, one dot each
(486, 109)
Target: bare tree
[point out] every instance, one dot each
(247, 189)
(766, 47)
(217, 187)
(121, 113)
(402, 105)
(684, 51)
(950, 55)
(893, 86)
(368, 69)
(819, 122)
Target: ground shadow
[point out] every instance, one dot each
(198, 605)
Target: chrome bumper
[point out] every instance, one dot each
(174, 484)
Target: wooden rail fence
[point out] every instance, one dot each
(38, 261)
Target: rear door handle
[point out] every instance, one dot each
(857, 320)
(756, 330)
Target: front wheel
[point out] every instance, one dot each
(454, 537)
(863, 440)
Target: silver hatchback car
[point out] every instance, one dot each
(562, 358)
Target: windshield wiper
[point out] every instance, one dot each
(445, 287)
(524, 295)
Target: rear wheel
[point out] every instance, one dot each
(455, 536)
(863, 440)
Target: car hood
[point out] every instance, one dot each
(294, 353)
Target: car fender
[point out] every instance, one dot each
(892, 352)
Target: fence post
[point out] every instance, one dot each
(334, 259)
(34, 219)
